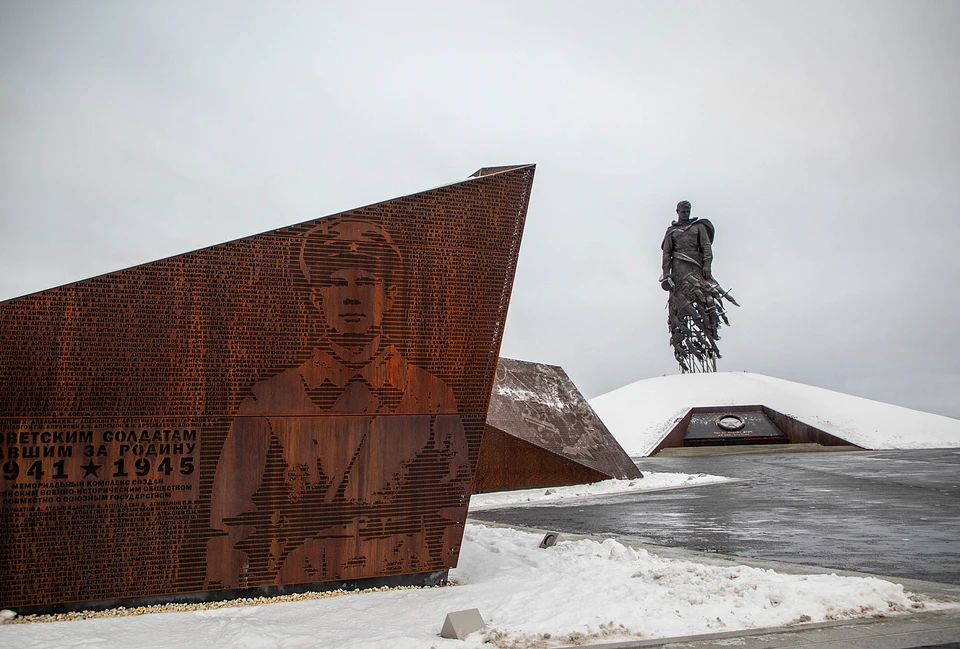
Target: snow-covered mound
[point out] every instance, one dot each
(640, 414)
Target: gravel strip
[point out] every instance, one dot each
(200, 606)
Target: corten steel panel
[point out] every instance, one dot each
(801, 433)
(300, 406)
(508, 462)
(539, 404)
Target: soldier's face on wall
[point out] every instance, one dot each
(353, 300)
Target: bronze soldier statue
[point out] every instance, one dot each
(695, 304)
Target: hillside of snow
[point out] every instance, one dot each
(640, 414)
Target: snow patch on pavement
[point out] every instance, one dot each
(562, 495)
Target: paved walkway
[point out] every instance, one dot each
(886, 512)
(927, 630)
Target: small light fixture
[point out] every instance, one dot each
(549, 540)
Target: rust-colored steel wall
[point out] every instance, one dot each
(508, 462)
(801, 433)
(539, 405)
(674, 439)
(300, 406)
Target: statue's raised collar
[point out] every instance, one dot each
(692, 219)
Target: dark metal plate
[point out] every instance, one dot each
(732, 428)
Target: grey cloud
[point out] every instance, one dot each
(820, 138)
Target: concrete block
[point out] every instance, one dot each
(459, 624)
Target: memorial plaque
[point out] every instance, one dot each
(720, 425)
(301, 406)
(715, 428)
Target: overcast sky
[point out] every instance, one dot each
(821, 138)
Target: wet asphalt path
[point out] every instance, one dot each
(886, 512)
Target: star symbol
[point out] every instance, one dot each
(91, 469)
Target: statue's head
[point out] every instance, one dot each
(683, 210)
(353, 270)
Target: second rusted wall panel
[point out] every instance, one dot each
(539, 405)
(508, 462)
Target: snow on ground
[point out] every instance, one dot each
(576, 591)
(562, 495)
(641, 414)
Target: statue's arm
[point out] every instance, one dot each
(667, 247)
(707, 251)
